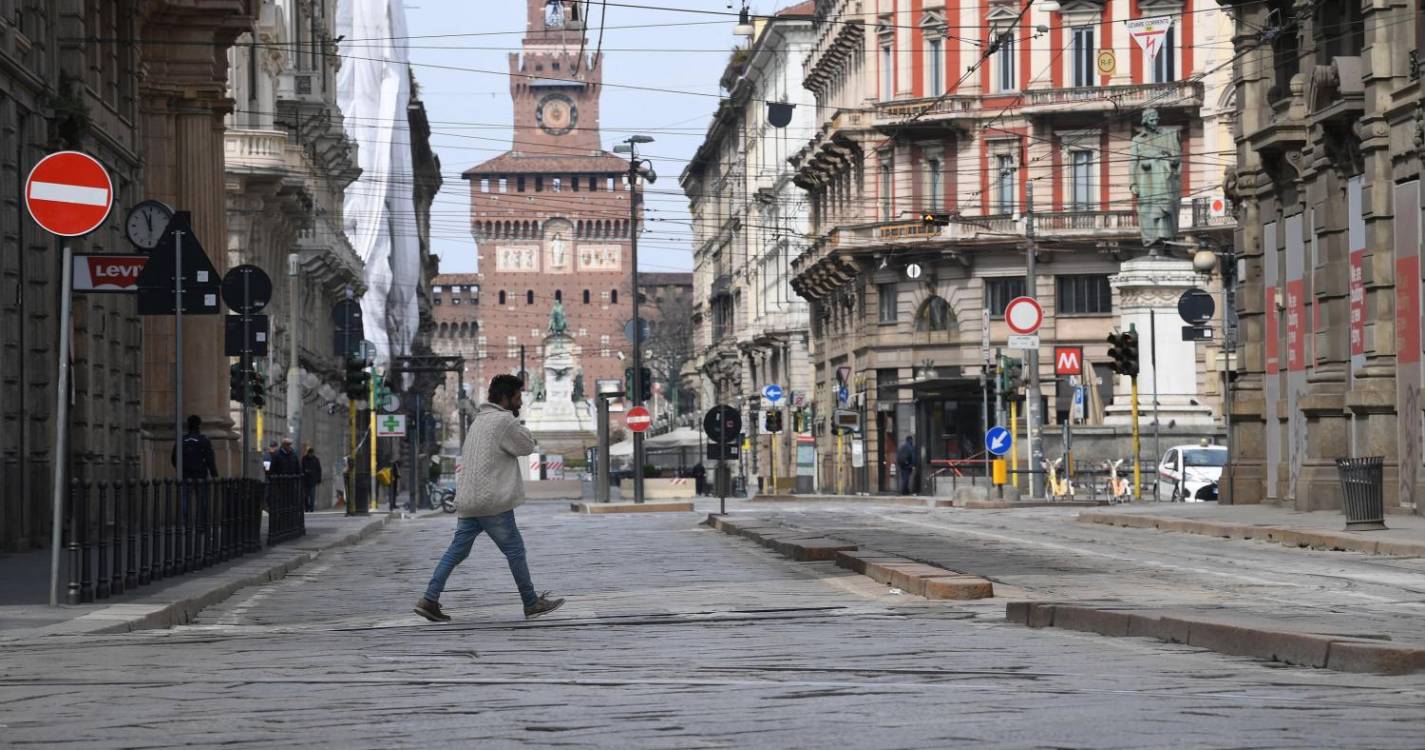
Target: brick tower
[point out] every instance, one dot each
(550, 216)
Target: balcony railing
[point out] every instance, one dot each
(934, 108)
(1094, 98)
(255, 149)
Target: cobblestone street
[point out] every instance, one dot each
(674, 636)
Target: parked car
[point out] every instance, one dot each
(1190, 473)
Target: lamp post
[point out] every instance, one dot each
(637, 168)
(1224, 259)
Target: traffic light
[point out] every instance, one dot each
(256, 388)
(235, 380)
(1013, 374)
(774, 421)
(1123, 350)
(931, 219)
(357, 379)
(647, 384)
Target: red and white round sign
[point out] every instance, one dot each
(638, 419)
(69, 193)
(1023, 315)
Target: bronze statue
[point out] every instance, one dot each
(558, 324)
(1157, 181)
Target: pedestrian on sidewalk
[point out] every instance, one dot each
(198, 462)
(486, 495)
(311, 476)
(905, 461)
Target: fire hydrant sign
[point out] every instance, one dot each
(108, 273)
(69, 193)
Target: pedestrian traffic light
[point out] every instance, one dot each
(357, 379)
(931, 219)
(235, 381)
(256, 389)
(1123, 351)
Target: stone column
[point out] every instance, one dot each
(182, 105)
(1149, 287)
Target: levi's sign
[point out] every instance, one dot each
(108, 273)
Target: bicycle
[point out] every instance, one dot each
(442, 497)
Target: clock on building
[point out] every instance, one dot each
(556, 114)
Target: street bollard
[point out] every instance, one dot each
(72, 595)
(101, 582)
(86, 547)
(145, 532)
(131, 511)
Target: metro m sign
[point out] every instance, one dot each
(1068, 360)
(108, 273)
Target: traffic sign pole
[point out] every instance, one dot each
(61, 412)
(1035, 407)
(178, 355)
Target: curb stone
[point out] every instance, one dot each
(1288, 537)
(911, 576)
(130, 617)
(1225, 635)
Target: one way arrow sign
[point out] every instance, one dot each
(998, 441)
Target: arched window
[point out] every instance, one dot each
(558, 295)
(586, 296)
(529, 297)
(613, 297)
(935, 315)
(502, 297)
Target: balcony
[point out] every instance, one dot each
(1172, 95)
(897, 115)
(260, 151)
(914, 232)
(721, 286)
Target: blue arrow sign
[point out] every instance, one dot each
(998, 441)
(772, 392)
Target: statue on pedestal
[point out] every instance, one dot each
(1157, 181)
(558, 323)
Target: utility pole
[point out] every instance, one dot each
(1034, 413)
(637, 169)
(524, 376)
(294, 371)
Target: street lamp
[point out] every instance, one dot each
(637, 169)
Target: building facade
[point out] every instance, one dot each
(1328, 193)
(749, 221)
(70, 79)
(456, 314)
(984, 115)
(288, 165)
(551, 216)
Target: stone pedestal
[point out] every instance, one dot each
(558, 423)
(1148, 289)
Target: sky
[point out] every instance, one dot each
(674, 58)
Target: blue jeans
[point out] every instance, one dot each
(504, 533)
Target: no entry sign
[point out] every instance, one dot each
(638, 419)
(69, 193)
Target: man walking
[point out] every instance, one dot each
(486, 495)
(198, 463)
(905, 460)
(311, 476)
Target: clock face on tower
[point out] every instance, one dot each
(556, 114)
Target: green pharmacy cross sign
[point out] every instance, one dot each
(391, 425)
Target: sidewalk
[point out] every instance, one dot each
(24, 589)
(1405, 536)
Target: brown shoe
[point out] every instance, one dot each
(431, 611)
(544, 605)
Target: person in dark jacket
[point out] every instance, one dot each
(311, 476)
(905, 461)
(285, 462)
(198, 462)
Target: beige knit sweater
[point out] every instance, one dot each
(491, 477)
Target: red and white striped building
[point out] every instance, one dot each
(972, 110)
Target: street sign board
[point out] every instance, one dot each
(724, 451)
(107, 273)
(69, 193)
(346, 314)
(985, 333)
(847, 420)
(608, 387)
(392, 403)
(772, 392)
(1077, 411)
(156, 283)
(998, 441)
(246, 289)
(722, 420)
(1020, 341)
(391, 425)
(1068, 360)
(1023, 315)
(1196, 307)
(1197, 333)
(1149, 33)
(645, 326)
(913, 271)
(638, 419)
(257, 336)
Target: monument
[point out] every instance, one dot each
(1148, 289)
(561, 422)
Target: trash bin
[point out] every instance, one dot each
(1361, 484)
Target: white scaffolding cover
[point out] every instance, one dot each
(373, 89)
